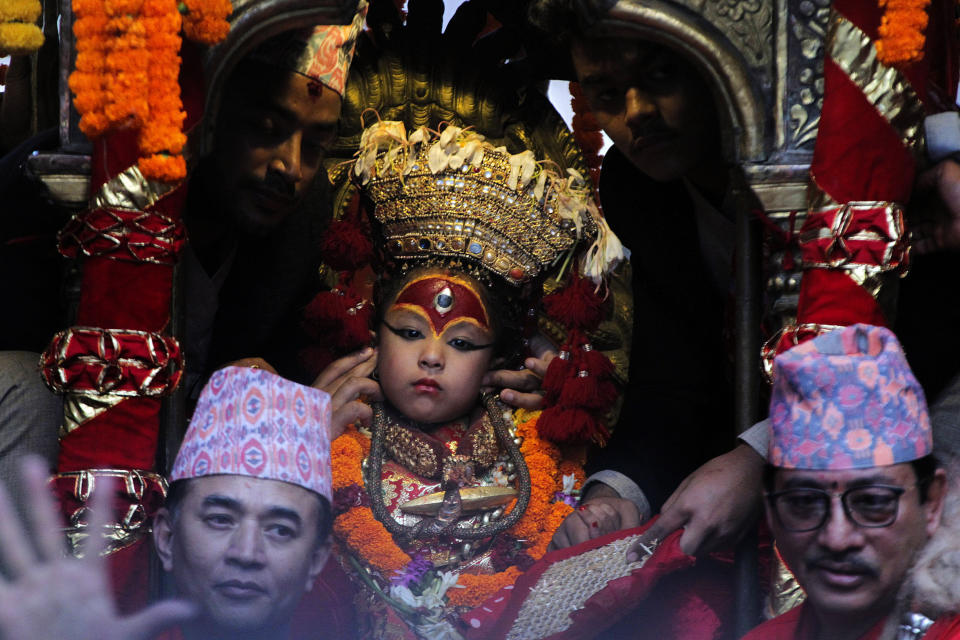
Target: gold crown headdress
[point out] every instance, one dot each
(455, 196)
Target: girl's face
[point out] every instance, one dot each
(436, 344)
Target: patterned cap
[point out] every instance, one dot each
(322, 53)
(250, 422)
(847, 400)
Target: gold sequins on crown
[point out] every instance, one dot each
(470, 212)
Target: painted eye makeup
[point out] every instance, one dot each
(462, 344)
(407, 333)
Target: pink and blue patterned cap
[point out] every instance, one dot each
(847, 400)
(251, 422)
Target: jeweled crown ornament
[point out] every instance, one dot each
(453, 195)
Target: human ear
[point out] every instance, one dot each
(318, 559)
(163, 538)
(936, 492)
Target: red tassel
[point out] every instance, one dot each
(345, 246)
(569, 425)
(577, 305)
(566, 425)
(595, 362)
(558, 372)
(561, 368)
(315, 358)
(588, 392)
(339, 319)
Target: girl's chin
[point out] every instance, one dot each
(429, 416)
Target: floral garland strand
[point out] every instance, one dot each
(88, 80)
(205, 21)
(161, 136)
(586, 131)
(126, 64)
(366, 538)
(901, 38)
(19, 33)
(117, 42)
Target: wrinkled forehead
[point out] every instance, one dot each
(443, 299)
(252, 494)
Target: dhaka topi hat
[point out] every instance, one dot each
(251, 422)
(322, 53)
(847, 400)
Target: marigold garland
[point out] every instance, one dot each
(19, 10)
(586, 131)
(19, 34)
(901, 38)
(161, 136)
(19, 38)
(126, 64)
(358, 528)
(369, 540)
(117, 42)
(205, 21)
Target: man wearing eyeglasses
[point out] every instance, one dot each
(853, 490)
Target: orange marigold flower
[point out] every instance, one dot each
(163, 167)
(472, 590)
(571, 468)
(365, 536)
(901, 32)
(345, 454)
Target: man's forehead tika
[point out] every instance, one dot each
(443, 300)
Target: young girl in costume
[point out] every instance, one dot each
(450, 495)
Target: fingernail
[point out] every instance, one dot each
(632, 557)
(507, 395)
(367, 351)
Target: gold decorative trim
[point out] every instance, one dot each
(884, 87)
(785, 592)
(142, 490)
(79, 409)
(130, 190)
(472, 499)
(566, 586)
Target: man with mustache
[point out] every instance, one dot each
(244, 534)
(853, 490)
(664, 190)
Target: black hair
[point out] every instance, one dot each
(179, 489)
(924, 468)
(564, 21)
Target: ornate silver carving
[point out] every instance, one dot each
(807, 31)
(913, 626)
(749, 23)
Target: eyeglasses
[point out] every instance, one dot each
(807, 509)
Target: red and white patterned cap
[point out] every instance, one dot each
(250, 422)
(322, 53)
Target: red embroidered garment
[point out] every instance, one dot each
(797, 624)
(671, 596)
